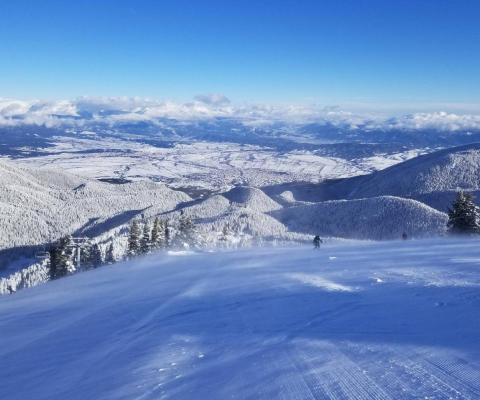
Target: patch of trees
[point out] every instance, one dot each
(70, 254)
(162, 234)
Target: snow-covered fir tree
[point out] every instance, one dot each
(463, 217)
(158, 234)
(186, 234)
(224, 236)
(109, 255)
(90, 255)
(134, 239)
(95, 256)
(145, 241)
(61, 258)
(85, 255)
(167, 233)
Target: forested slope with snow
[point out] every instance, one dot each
(377, 218)
(39, 206)
(393, 320)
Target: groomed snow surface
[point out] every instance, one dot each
(391, 320)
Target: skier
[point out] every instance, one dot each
(317, 241)
(404, 236)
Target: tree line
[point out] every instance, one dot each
(163, 234)
(70, 253)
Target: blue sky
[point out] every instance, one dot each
(330, 52)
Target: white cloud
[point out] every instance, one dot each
(13, 108)
(442, 121)
(112, 110)
(35, 112)
(213, 99)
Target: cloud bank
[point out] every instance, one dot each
(111, 111)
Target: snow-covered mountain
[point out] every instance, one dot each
(393, 320)
(444, 170)
(431, 178)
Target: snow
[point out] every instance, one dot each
(392, 320)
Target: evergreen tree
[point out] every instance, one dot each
(463, 216)
(95, 256)
(134, 239)
(224, 236)
(186, 235)
(61, 258)
(85, 255)
(109, 255)
(167, 233)
(158, 234)
(145, 241)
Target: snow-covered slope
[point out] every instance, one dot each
(37, 206)
(396, 320)
(444, 170)
(377, 218)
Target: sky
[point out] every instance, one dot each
(380, 52)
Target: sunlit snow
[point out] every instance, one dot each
(392, 320)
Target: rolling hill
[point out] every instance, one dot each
(377, 218)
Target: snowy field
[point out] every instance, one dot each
(392, 320)
(209, 165)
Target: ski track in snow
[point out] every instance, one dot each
(350, 321)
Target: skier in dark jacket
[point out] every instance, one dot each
(317, 241)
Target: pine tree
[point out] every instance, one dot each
(95, 256)
(61, 258)
(463, 216)
(186, 231)
(85, 255)
(145, 241)
(224, 236)
(109, 255)
(158, 234)
(134, 239)
(167, 233)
